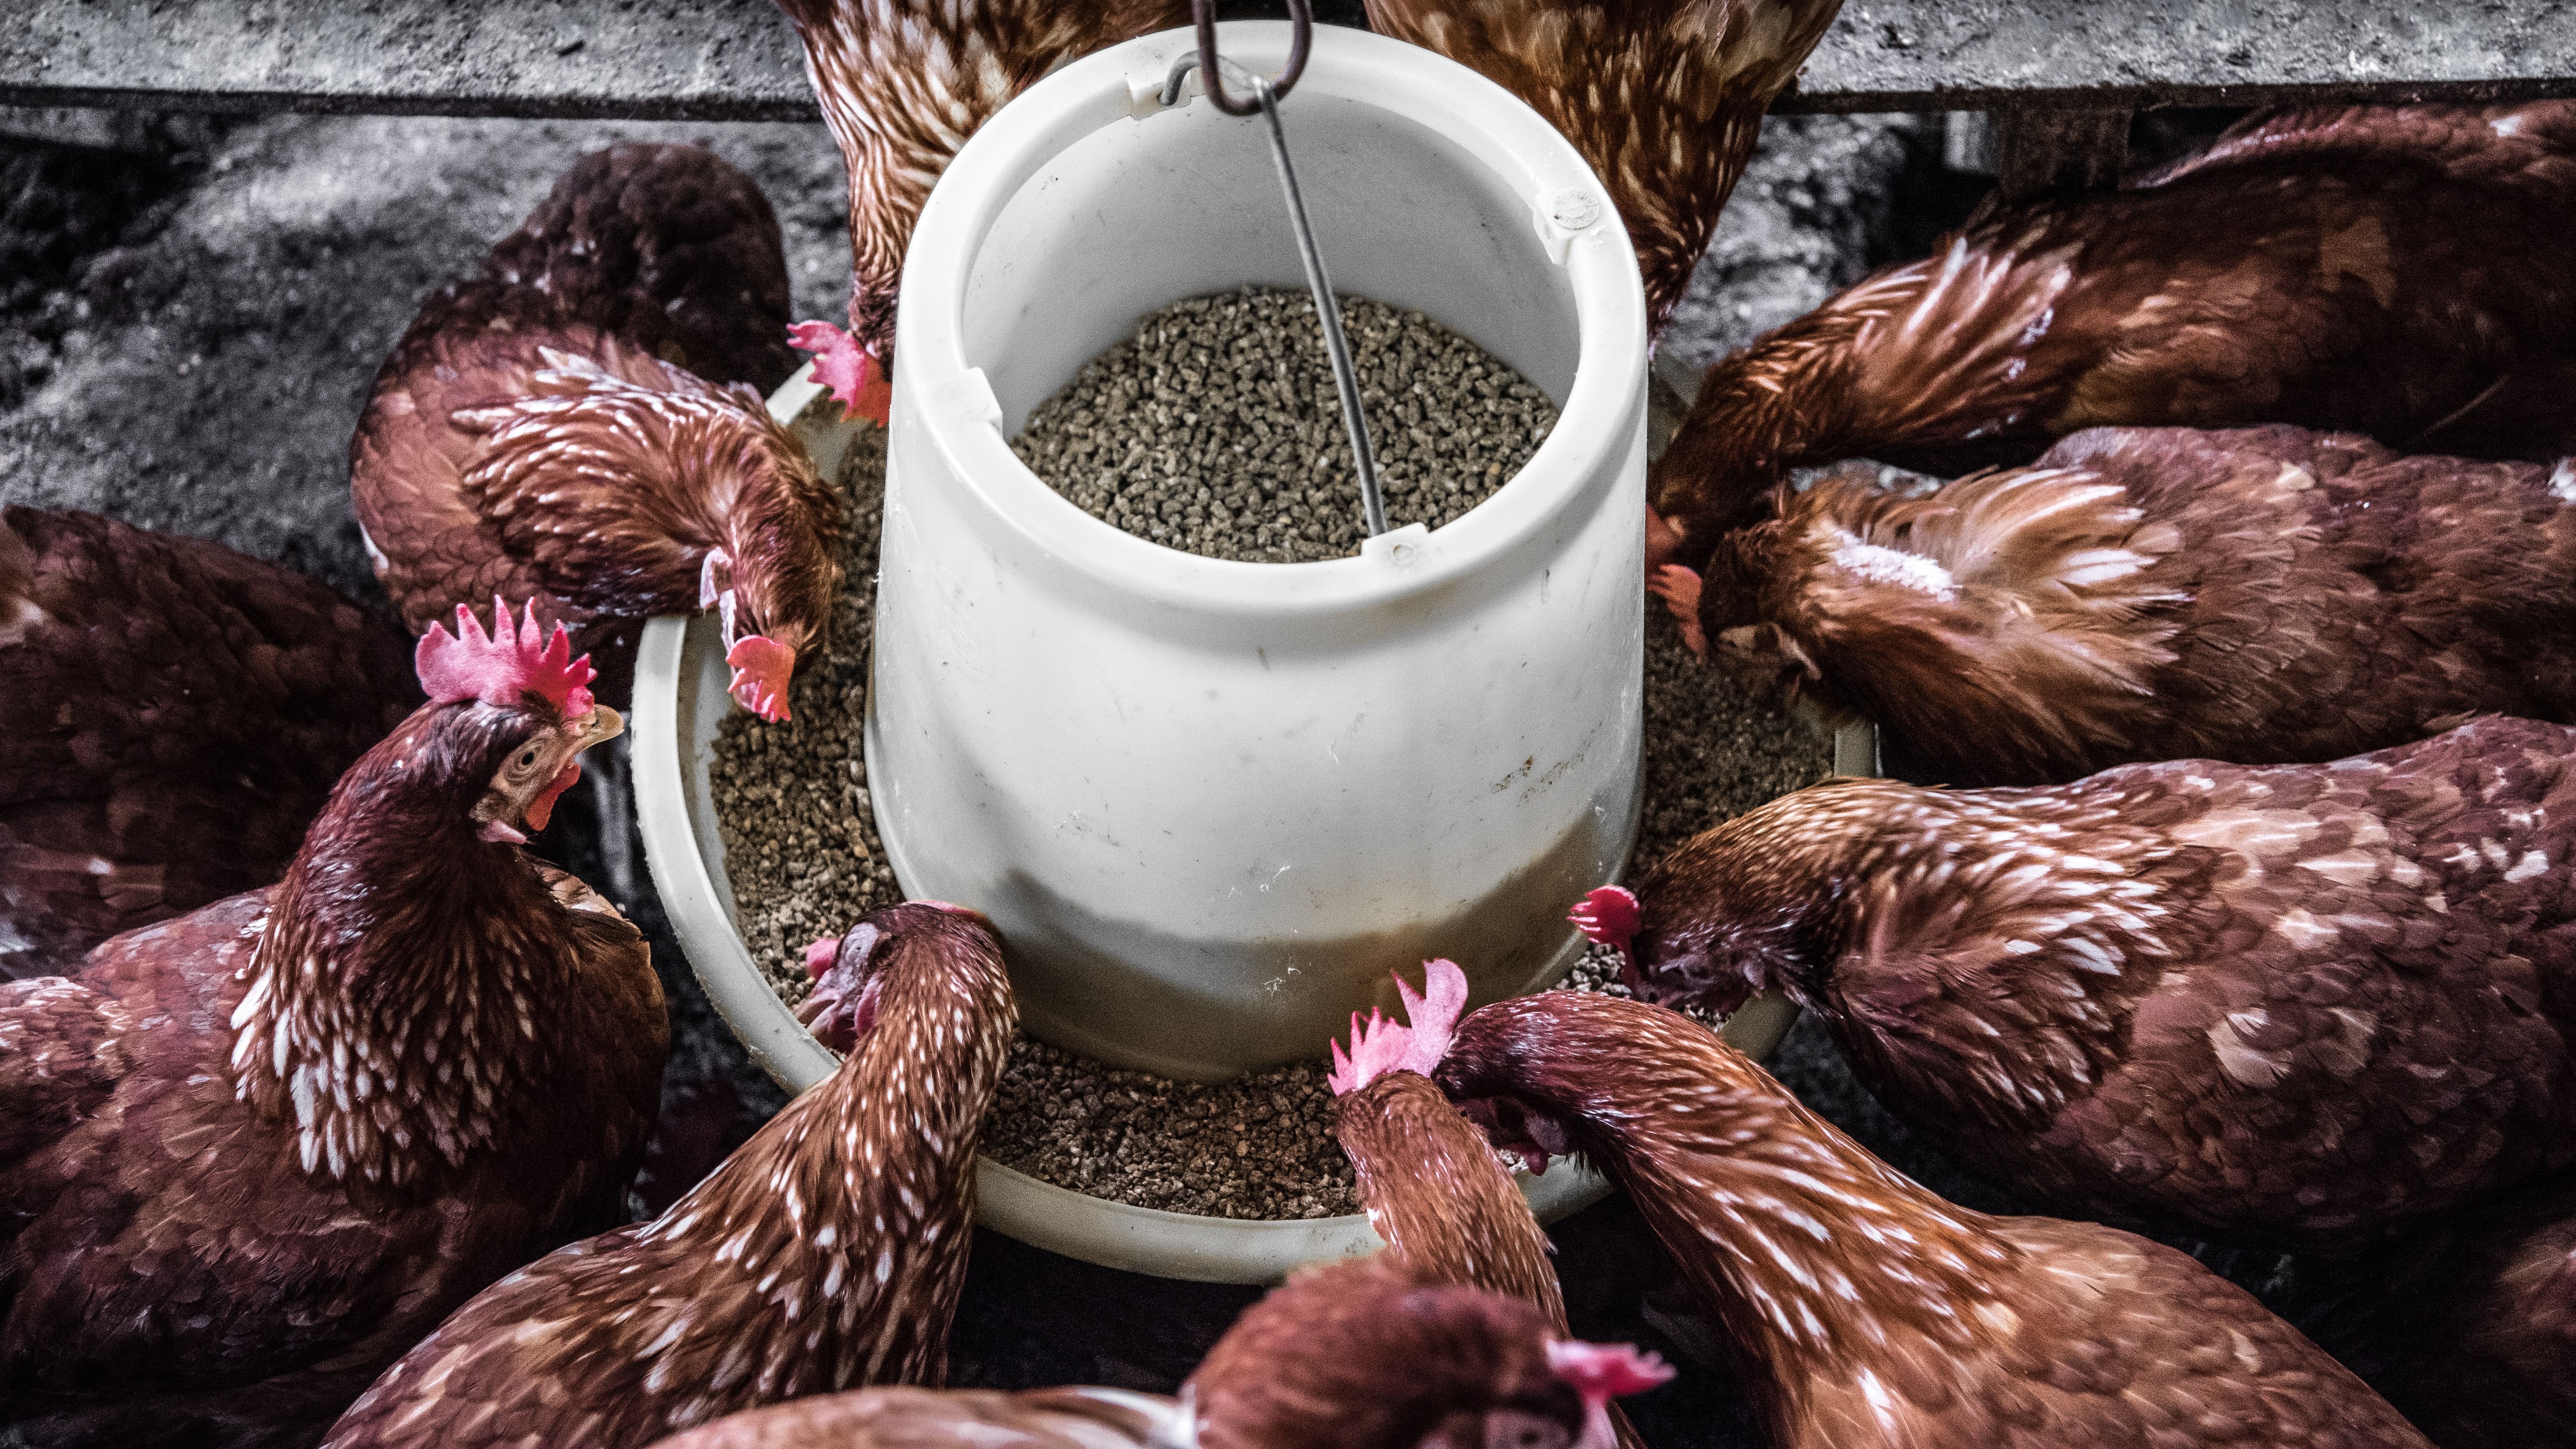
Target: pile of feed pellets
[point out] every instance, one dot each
(1216, 429)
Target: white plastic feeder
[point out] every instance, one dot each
(1211, 804)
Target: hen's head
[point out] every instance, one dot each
(1740, 908)
(1364, 1355)
(509, 714)
(859, 376)
(1379, 1046)
(772, 583)
(850, 972)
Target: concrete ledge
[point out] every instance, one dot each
(738, 60)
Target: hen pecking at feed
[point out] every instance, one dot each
(1663, 97)
(1861, 1308)
(903, 83)
(172, 717)
(1445, 1205)
(2402, 271)
(2141, 594)
(1354, 1356)
(825, 1254)
(2288, 1004)
(250, 1156)
(582, 426)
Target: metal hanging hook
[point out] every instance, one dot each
(1301, 34)
(1328, 308)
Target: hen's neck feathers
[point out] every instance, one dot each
(393, 999)
(1817, 1257)
(1439, 1195)
(1852, 894)
(1947, 350)
(904, 83)
(848, 1214)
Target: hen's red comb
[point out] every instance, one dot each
(498, 667)
(820, 954)
(1379, 1046)
(1678, 587)
(1604, 1371)
(1608, 915)
(858, 382)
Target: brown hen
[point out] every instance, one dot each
(903, 83)
(1663, 97)
(172, 716)
(2402, 271)
(250, 1156)
(2151, 594)
(1863, 1309)
(2469, 1327)
(1355, 1356)
(2291, 1004)
(581, 426)
(826, 1253)
(1444, 1204)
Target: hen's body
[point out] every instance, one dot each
(2149, 594)
(1863, 1309)
(172, 716)
(1445, 1205)
(1358, 1355)
(2295, 1003)
(825, 1254)
(251, 1155)
(580, 424)
(1663, 97)
(2469, 1327)
(2407, 272)
(903, 83)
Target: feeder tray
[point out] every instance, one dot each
(1004, 615)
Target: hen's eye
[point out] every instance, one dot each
(528, 757)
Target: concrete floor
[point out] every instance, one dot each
(190, 313)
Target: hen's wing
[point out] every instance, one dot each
(58, 1062)
(907, 1418)
(172, 716)
(1664, 99)
(665, 246)
(2105, 1338)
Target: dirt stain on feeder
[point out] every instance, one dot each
(803, 859)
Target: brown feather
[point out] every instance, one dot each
(903, 83)
(255, 1153)
(172, 716)
(2469, 1327)
(1863, 1309)
(2293, 1004)
(2145, 594)
(825, 1254)
(2402, 271)
(1663, 97)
